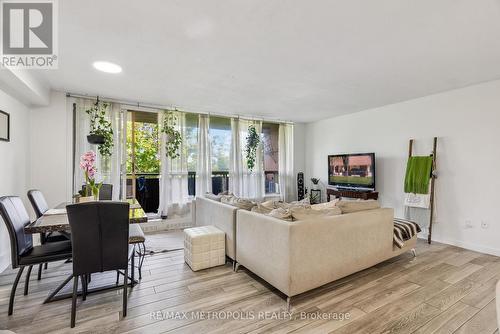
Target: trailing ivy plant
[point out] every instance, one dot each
(100, 126)
(174, 138)
(253, 140)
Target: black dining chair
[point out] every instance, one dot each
(23, 253)
(99, 234)
(40, 206)
(105, 193)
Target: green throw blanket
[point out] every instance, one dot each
(418, 174)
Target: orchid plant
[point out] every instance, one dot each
(87, 164)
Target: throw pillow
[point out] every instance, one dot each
(244, 204)
(355, 206)
(240, 203)
(227, 198)
(281, 213)
(327, 205)
(305, 203)
(260, 209)
(270, 205)
(213, 197)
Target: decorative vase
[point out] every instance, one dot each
(84, 199)
(95, 139)
(95, 193)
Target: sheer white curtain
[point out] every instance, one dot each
(204, 161)
(108, 168)
(286, 170)
(117, 159)
(174, 196)
(242, 182)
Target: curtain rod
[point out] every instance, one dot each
(163, 107)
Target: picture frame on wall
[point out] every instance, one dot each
(4, 126)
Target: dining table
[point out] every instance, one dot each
(56, 220)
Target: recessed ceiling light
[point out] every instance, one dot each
(106, 66)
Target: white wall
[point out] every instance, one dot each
(15, 163)
(467, 122)
(51, 149)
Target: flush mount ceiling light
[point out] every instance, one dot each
(106, 66)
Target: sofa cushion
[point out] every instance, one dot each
(327, 205)
(301, 213)
(355, 206)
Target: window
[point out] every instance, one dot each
(220, 135)
(270, 135)
(143, 158)
(143, 144)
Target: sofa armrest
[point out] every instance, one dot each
(223, 216)
(264, 247)
(193, 213)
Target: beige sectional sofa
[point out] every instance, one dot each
(299, 256)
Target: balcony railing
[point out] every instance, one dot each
(271, 182)
(220, 182)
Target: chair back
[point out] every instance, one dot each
(16, 217)
(38, 202)
(105, 193)
(99, 236)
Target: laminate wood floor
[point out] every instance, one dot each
(444, 290)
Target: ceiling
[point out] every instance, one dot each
(280, 59)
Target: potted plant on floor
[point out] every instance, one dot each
(91, 189)
(315, 196)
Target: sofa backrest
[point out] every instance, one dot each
(334, 247)
(301, 255)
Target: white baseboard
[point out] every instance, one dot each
(166, 224)
(467, 245)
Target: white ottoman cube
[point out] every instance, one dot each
(204, 247)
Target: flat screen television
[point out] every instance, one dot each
(352, 171)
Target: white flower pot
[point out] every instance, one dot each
(85, 199)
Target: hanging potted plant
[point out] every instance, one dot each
(101, 133)
(173, 136)
(253, 140)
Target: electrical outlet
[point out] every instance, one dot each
(468, 224)
(484, 224)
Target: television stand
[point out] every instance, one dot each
(339, 193)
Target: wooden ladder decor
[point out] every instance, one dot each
(433, 182)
